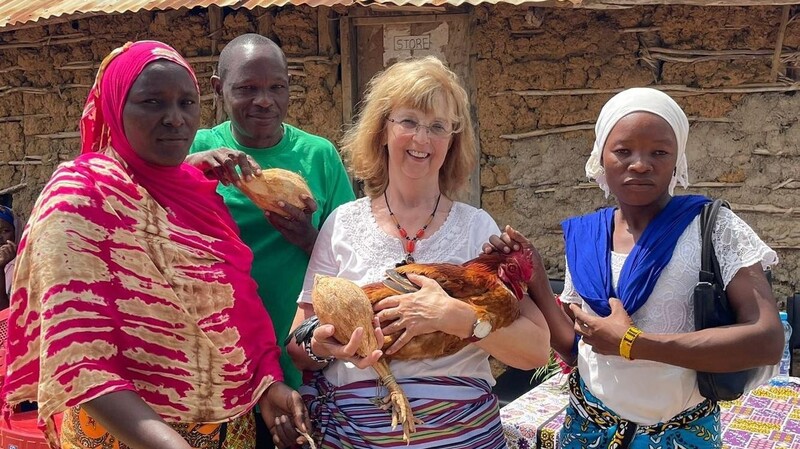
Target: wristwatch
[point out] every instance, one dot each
(480, 329)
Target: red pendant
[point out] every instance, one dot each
(410, 246)
(420, 233)
(403, 233)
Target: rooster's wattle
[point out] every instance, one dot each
(493, 284)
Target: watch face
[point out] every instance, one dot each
(482, 329)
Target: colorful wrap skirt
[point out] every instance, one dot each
(81, 431)
(589, 423)
(457, 413)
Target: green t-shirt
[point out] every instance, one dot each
(279, 266)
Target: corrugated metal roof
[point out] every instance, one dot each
(17, 12)
(14, 13)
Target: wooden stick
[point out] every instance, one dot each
(24, 162)
(783, 184)
(346, 47)
(10, 69)
(289, 59)
(714, 184)
(19, 118)
(14, 188)
(544, 132)
(91, 65)
(326, 31)
(590, 126)
(672, 89)
(710, 119)
(692, 60)
(48, 41)
(79, 65)
(215, 26)
(701, 52)
(765, 152)
(61, 135)
(388, 7)
(765, 209)
(776, 58)
(640, 30)
(506, 187)
(264, 20)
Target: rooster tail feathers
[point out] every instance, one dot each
(303, 331)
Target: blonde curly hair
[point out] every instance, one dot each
(419, 84)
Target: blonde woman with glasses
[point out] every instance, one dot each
(413, 146)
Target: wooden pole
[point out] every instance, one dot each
(348, 80)
(326, 31)
(263, 20)
(216, 25)
(776, 57)
(14, 188)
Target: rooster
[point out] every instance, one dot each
(493, 284)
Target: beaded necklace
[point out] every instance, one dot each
(410, 243)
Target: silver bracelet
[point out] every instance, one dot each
(307, 346)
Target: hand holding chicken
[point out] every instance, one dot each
(491, 284)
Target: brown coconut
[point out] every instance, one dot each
(344, 304)
(274, 185)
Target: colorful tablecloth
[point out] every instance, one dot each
(765, 418)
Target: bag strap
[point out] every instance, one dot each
(709, 266)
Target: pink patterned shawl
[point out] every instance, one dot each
(131, 276)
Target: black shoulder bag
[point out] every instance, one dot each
(712, 309)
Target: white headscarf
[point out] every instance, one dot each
(639, 99)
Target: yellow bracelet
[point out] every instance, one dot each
(627, 341)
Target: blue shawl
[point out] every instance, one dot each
(588, 247)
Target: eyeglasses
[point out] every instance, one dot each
(438, 130)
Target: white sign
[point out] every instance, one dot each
(408, 43)
(399, 43)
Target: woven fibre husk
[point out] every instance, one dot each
(344, 304)
(275, 185)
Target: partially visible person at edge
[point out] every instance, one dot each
(10, 230)
(253, 84)
(414, 147)
(133, 310)
(627, 296)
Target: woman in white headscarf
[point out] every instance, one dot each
(627, 316)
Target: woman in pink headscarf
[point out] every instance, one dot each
(134, 310)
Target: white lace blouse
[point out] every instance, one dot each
(649, 392)
(351, 245)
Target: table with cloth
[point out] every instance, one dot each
(765, 418)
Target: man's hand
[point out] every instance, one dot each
(285, 415)
(221, 164)
(8, 252)
(295, 225)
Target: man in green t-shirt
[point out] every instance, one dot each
(253, 84)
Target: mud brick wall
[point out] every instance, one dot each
(743, 147)
(46, 73)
